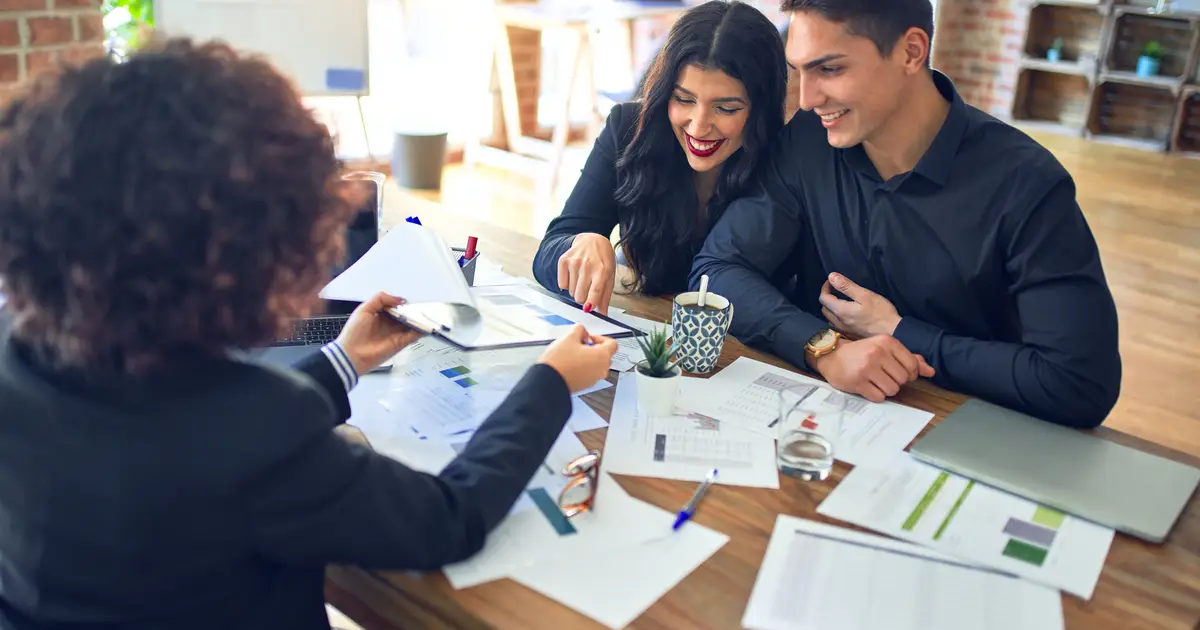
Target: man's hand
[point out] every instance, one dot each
(874, 368)
(370, 337)
(869, 313)
(587, 270)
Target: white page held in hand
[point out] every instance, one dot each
(684, 447)
(616, 585)
(746, 394)
(411, 262)
(917, 502)
(817, 576)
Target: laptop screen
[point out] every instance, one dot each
(361, 235)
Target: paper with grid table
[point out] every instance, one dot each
(684, 446)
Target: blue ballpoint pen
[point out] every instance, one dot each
(688, 510)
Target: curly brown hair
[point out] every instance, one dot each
(183, 202)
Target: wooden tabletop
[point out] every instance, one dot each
(1142, 585)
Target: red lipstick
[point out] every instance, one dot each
(696, 151)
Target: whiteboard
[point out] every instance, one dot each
(321, 44)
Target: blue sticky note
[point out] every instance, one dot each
(345, 79)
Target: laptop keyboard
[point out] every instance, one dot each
(317, 331)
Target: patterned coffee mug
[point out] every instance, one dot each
(699, 331)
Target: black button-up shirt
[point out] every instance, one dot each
(981, 247)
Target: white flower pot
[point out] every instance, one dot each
(656, 396)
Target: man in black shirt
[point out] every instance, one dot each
(944, 243)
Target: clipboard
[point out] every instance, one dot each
(411, 261)
(504, 317)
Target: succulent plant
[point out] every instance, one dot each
(658, 363)
(1153, 49)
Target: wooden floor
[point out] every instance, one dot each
(1143, 207)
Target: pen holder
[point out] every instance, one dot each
(468, 269)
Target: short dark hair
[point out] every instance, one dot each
(883, 22)
(662, 231)
(181, 203)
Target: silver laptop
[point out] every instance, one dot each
(1067, 469)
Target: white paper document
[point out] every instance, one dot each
(542, 534)
(817, 576)
(615, 586)
(641, 323)
(746, 394)
(447, 403)
(685, 446)
(411, 262)
(629, 353)
(917, 502)
(598, 387)
(488, 273)
(436, 390)
(526, 311)
(583, 417)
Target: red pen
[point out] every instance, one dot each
(471, 243)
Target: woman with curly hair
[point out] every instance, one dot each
(156, 217)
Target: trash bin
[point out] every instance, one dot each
(418, 157)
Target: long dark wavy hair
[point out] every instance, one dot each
(662, 227)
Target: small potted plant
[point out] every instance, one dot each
(658, 375)
(1055, 52)
(1151, 59)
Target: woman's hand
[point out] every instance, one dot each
(370, 337)
(581, 359)
(587, 270)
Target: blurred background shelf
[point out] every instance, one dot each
(1053, 101)
(1119, 71)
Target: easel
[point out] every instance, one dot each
(527, 153)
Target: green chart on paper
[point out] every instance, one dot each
(1026, 539)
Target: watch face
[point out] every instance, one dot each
(821, 340)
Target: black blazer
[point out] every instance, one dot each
(591, 207)
(213, 495)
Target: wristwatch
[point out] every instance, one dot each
(822, 343)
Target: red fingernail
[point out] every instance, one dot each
(587, 308)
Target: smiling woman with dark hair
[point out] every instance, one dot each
(666, 165)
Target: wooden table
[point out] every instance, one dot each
(1142, 585)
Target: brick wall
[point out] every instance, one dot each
(35, 35)
(978, 43)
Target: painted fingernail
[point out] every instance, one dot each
(587, 308)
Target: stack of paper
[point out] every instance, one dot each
(817, 576)
(614, 586)
(746, 394)
(917, 502)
